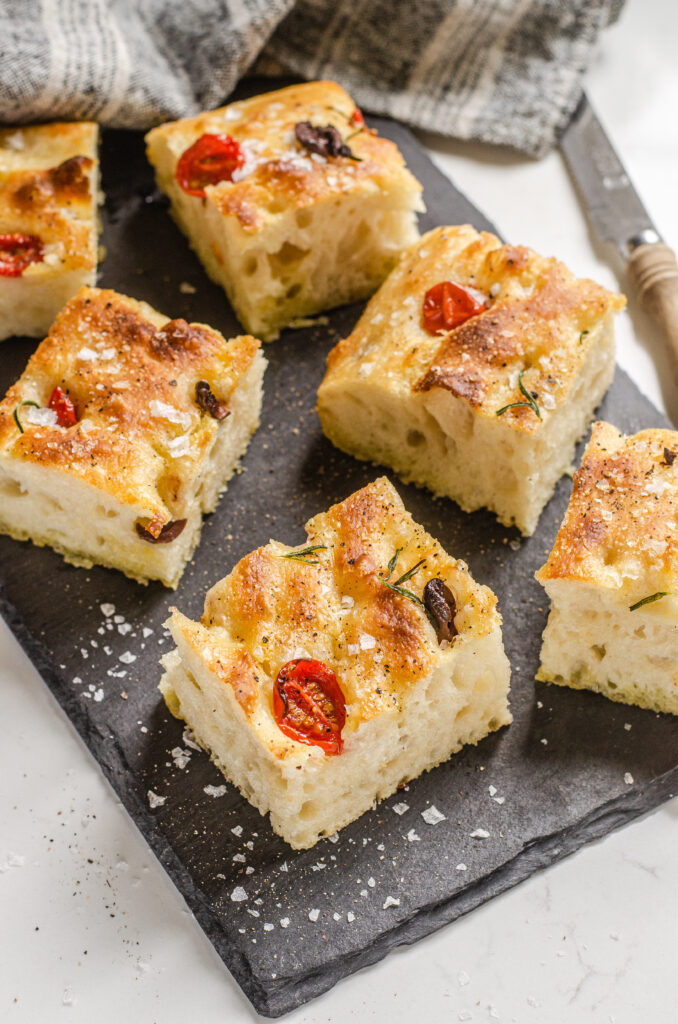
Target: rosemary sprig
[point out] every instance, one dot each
(397, 587)
(409, 574)
(403, 592)
(306, 555)
(346, 117)
(15, 414)
(353, 134)
(648, 600)
(530, 403)
(392, 563)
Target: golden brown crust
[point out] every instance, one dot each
(621, 526)
(131, 375)
(334, 605)
(540, 320)
(279, 172)
(47, 188)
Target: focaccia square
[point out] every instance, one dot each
(49, 182)
(124, 429)
(298, 219)
(612, 575)
(487, 412)
(322, 677)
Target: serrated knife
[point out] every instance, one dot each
(617, 215)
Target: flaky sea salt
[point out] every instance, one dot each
(461, 867)
(127, 657)
(180, 757)
(107, 610)
(214, 790)
(628, 778)
(400, 808)
(432, 816)
(237, 830)
(412, 837)
(390, 901)
(314, 914)
(162, 410)
(284, 922)
(39, 417)
(179, 446)
(154, 800)
(367, 642)
(238, 895)
(480, 833)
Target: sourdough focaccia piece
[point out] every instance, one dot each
(473, 371)
(49, 180)
(316, 678)
(612, 575)
(124, 429)
(291, 203)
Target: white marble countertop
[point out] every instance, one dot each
(94, 931)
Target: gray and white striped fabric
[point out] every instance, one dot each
(500, 71)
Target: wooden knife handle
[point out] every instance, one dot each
(654, 271)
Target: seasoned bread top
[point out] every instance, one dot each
(279, 173)
(621, 527)
(48, 188)
(332, 605)
(131, 374)
(540, 322)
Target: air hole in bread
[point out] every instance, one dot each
(286, 255)
(108, 513)
(599, 650)
(415, 438)
(251, 266)
(303, 218)
(11, 488)
(308, 810)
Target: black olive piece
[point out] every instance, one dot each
(442, 607)
(669, 457)
(208, 401)
(169, 532)
(323, 139)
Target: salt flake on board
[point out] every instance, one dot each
(432, 816)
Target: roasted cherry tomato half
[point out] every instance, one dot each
(211, 159)
(356, 118)
(447, 305)
(18, 252)
(63, 407)
(308, 704)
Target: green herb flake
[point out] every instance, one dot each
(530, 403)
(648, 600)
(306, 555)
(582, 336)
(15, 414)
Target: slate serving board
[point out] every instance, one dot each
(561, 774)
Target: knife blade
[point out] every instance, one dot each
(617, 215)
(613, 206)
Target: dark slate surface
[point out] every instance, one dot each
(559, 769)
